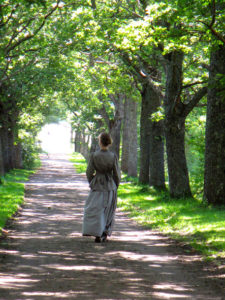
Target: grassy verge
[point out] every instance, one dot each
(12, 194)
(79, 162)
(186, 220)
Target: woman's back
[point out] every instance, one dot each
(103, 171)
(103, 160)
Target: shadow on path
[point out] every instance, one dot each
(45, 256)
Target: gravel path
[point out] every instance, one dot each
(45, 256)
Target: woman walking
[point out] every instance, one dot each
(103, 175)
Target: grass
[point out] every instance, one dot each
(186, 220)
(79, 162)
(12, 194)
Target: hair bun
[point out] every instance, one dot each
(105, 139)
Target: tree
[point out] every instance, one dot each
(129, 146)
(214, 183)
(20, 28)
(165, 36)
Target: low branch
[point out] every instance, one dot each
(192, 84)
(194, 101)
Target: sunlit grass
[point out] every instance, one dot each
(185, 219)
(80, 163)
(12, 194)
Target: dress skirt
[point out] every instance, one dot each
(99, 213)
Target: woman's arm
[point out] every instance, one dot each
(116, 172)
(90, 169)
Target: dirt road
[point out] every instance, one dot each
(45, 256)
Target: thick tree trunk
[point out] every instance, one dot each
(94, 144)
(151, 143)
(2, 170)
(175, 128)
(126, 137)
(145, 127)
(115, 124)
(77, 141)
(133, 148)
(18, 163)
(84, 146)
(82, 142)
(156, 163)
(5, 148)
(129, 148)
(176, 159)
(115, 130)
(214, 184)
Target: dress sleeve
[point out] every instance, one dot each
(90, 169)
(116, 172)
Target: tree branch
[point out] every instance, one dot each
(192, 84)
(194, 101)
(16, 44)
(210, 26)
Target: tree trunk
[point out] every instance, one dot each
(18, 163)
(82, 142)
(133, 148)
(94, 144)
(115, 124)
(77, 141)
(156, 163)
(145, 135)
(84, 146)
(176, 159)
(115, 130)
(214, 183)
(5, 148)
(126, 137)
(2, 170)
(151, 143)
(129, 148)
(175, 128)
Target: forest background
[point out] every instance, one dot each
(152, 73)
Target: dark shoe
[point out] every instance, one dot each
(97, 239)
(104, 238)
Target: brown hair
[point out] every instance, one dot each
(105, 139)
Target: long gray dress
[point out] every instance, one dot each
(103, 175)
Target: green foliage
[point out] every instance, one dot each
(12, 194)
(30, 153)
(195, 149)
(185, 220)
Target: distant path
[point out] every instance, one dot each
(45, 256)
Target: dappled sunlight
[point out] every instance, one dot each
(8, 281)
(144, 258)
(46, 257)
(59, 295)
(75, 268)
